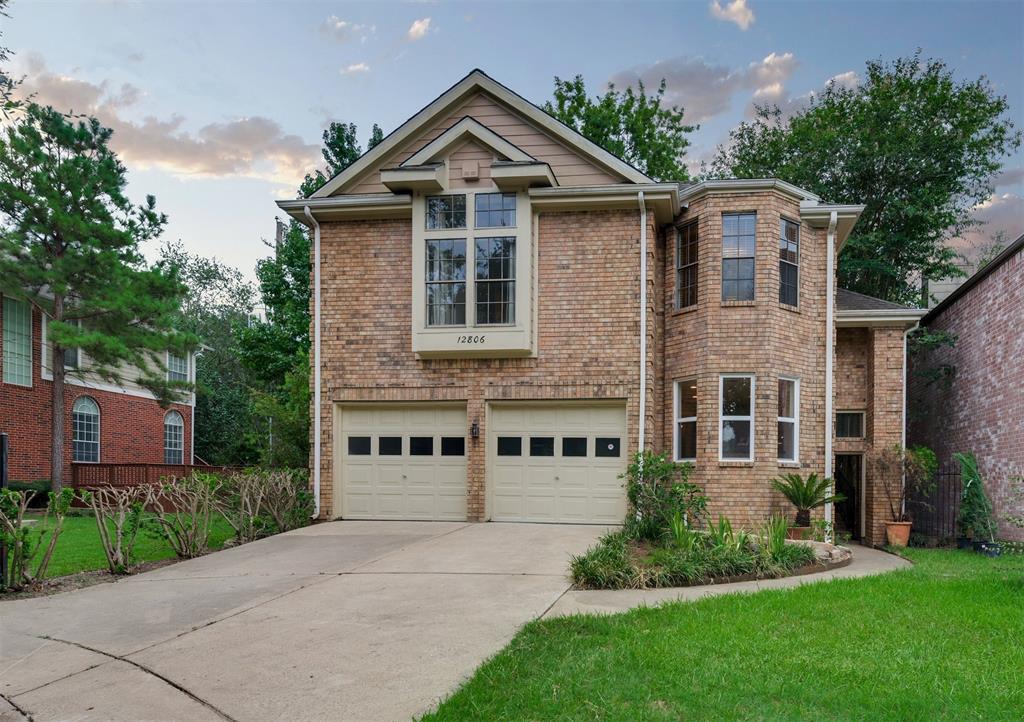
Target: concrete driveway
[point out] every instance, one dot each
(346, 620)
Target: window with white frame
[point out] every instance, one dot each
(850, 425)
(446, 282)
(17, 342)
(174, 438)
(72, 356)
(177, 367)
(494, 210)
(739, 244)
(736, 417)
(444, 212)
(789, 419)
(686, 420)
(495, 280)
(789, 262)
(85, 430)
(686, 265)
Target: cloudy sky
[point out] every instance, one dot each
(218, 107)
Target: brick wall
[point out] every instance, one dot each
(982, 409)
(131, 427)
(588, 323)
(762, 337)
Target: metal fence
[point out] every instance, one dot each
(934, 515)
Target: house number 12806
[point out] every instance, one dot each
(472, 339)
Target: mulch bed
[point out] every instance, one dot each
(59, 585)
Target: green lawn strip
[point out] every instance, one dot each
(79, 548)
(938, 641)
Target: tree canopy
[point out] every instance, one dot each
(912, 143)
(630, 124)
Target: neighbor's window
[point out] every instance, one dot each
(85, 430)
(495, 280)
(686, 420)
(789, 419)
(789, 262)
(177, 368)
(736, 417)
(17, 342)
(686, 265)
(174, 438)
(850, 425)
(446, 282)
(738, 246)
(495, 210)
(446, 212)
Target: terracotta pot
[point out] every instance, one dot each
(897, 533)
(798, 532)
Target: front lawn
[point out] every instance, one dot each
(79, 549)
(939, 641)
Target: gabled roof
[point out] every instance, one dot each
(464, 129)
(476, 81)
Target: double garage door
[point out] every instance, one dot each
(555, 462)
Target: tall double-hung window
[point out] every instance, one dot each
(789, 419)
(489, 291)
(736, 417)
(17, 342)
(789, 262)
(686, 265)
(739, 243)
(686, 420)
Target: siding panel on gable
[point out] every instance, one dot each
(570, 168)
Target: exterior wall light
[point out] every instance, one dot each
(474, 430)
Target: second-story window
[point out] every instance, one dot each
(446, 212)
(495, 280)
(495, 210)
(686, 265)
(446, 281)
(738, 246)
(789, 262)
(177, 368)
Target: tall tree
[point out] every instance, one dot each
(629, 124)
(218, 301)
(70, 246)
(919, 148)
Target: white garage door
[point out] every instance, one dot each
(402, 462)
(557, 462)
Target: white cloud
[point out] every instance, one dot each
(247, 146)
(419, 28)
(343, 30)
(1010, 176)
(1000, 214)
(735, 12)
(849, 79)
(705, 90)
(355, 68)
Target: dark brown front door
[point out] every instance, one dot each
(849, 478)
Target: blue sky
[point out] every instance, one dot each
(218, 107)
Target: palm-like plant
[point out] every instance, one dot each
(805, 494)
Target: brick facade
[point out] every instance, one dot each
(981, 409)
(131, 427)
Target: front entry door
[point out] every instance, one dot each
(849, 479)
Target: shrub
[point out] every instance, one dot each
(805, 494)
(118, 511)
(183, 512)
(606, 565)
(975, 518)
(25, 540)
(288, 499)
(658, 490)
(257, 502)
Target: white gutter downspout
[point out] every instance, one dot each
(192, 424)
(903, 411)
(829, 344)
(643, 321)
(316, 361)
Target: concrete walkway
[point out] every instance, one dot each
(340, 621)
(865, 562)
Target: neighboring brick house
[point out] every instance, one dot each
(104, 423)
(980, 407)
(478, 309)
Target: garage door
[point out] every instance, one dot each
(557, 462)
(402, 462)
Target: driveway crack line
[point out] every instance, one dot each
(385, 555)
(552, 605)
(154, 673)
(17, 708)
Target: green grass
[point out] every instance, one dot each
(942, 640)
(79, 549)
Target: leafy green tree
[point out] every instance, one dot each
(218, 301)
(919, 148)
(70, 246)
(629, 124)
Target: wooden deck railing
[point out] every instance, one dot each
(84, 476)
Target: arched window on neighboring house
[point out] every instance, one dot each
(85, 430)
(174, 438)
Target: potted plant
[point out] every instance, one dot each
(805, 495)
(975, 518)
(904, 475)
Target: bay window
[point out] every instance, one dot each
(686, 420)
(736, 417)
(739, 244)
(789, 419)
(686, 265)
(789, 262)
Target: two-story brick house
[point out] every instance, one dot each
(504, 312)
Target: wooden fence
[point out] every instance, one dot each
(85, 476)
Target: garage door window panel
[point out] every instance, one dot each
(453, 446)
(542, 446)
(575, 446)
(359, 445)
(607, 447)
(510, 446)
(389, 446)
(421, 445)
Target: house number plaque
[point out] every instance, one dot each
(472, 339)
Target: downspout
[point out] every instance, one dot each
(903, 411)
(829, 350)
(192, 421)
(316, 361)
(643, 323)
